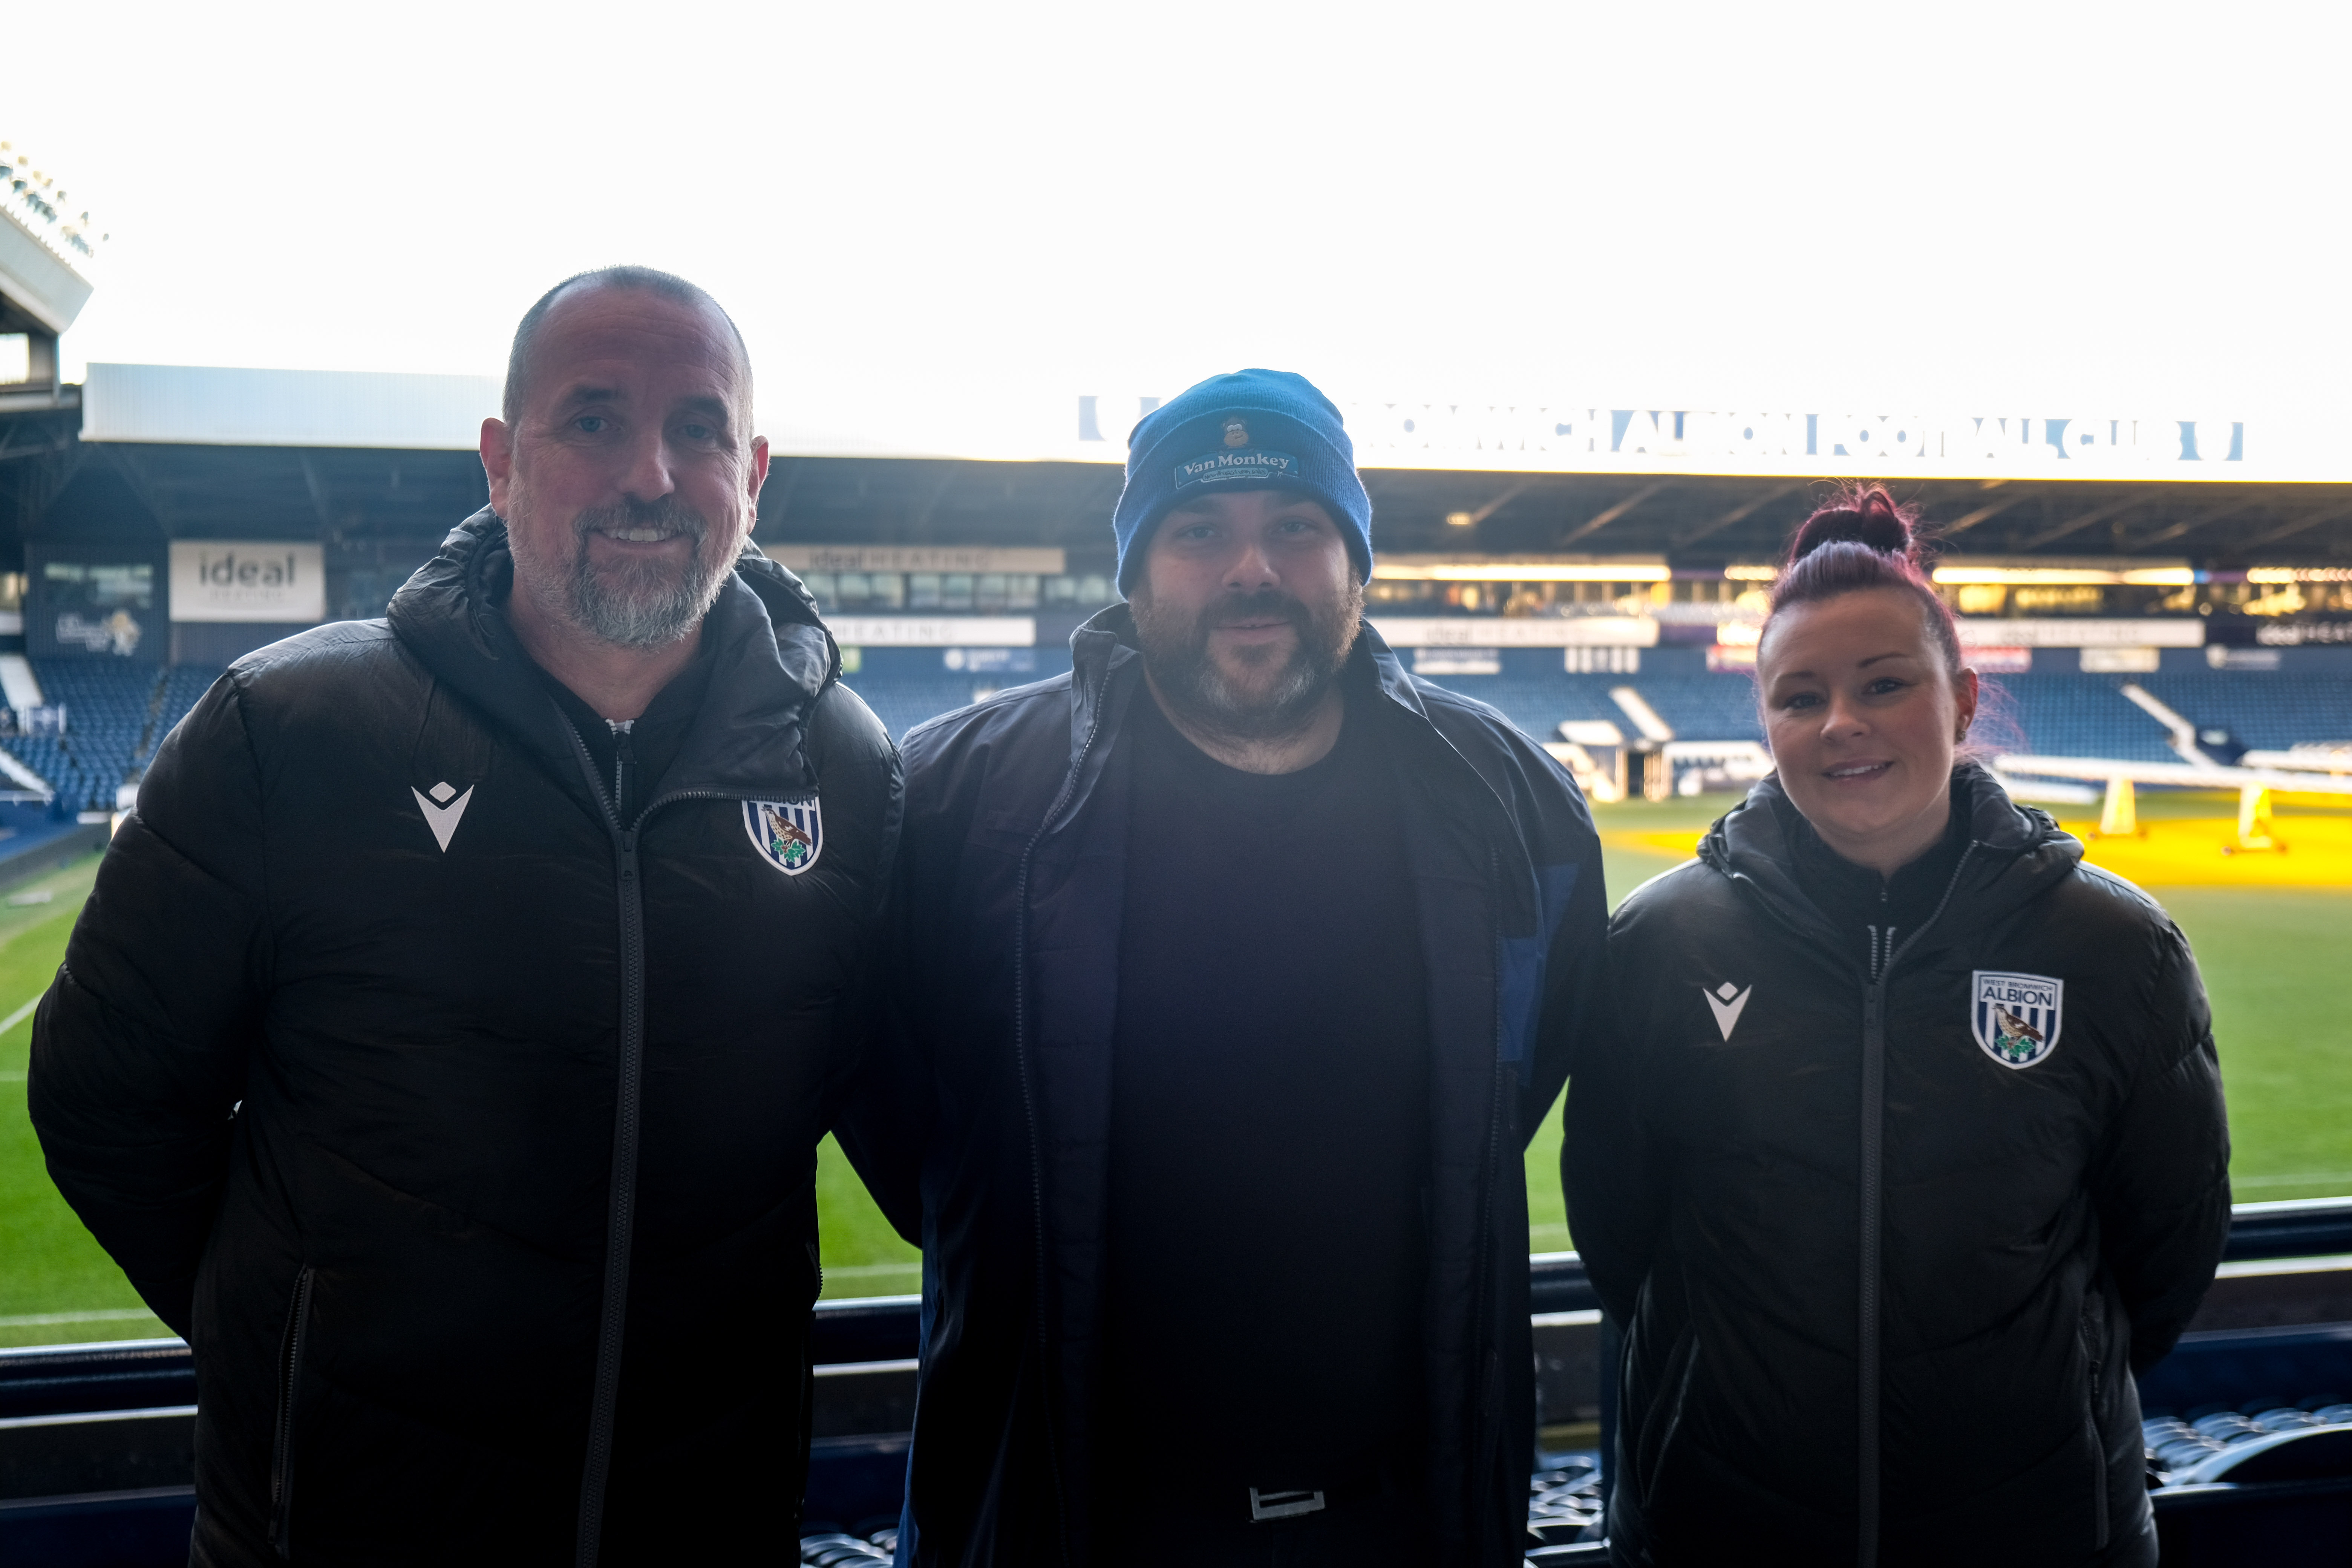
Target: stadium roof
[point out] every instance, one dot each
(219, 406)
(214, 406)
(187, 451)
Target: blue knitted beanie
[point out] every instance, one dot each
(1253, 430)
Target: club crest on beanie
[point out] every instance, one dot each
(1250, 430)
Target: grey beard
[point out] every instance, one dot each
(640, 608)
(1176, 652)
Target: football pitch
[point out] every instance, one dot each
(2269, 929)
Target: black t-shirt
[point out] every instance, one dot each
(1269, 1143)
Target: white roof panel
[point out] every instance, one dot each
(210, 405)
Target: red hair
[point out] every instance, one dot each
(1863, 538)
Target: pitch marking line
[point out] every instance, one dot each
(104, 1315)
(21, 1014)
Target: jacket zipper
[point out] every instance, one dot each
(281, 1447)
(1483, 1435)
(1873, 1202)
(1028, 1100)
(621, 1207)
(624, 759)
(2098, 1438)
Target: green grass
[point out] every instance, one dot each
(863, 1255)
(56, 1285)
(2267, 955)
(2286, 1051)
(1624, 871)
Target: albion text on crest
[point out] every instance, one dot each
(2014, 1018)
(789, 835)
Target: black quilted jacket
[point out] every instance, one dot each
(450, 1118)
(1892, 1218)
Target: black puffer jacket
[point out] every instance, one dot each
(398, 1259)
(1878, 1250)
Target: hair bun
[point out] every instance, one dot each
(1865, 515)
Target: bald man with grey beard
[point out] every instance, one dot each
(446, 1047)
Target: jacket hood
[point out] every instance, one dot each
(771, 659)
(2016, 853)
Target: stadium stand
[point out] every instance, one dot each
(2270, 710)
(2066, 715)
(906, 686)
(1697, 707)
(1533, 693)
(2054, 713)
(116, 714)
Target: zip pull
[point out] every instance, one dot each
(624, 759)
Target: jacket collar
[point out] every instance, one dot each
(2016, 853)
(771, 659)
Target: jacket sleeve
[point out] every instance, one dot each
(2161, 1184)
(1611, 1162)
(1575, 1001)
(855, 760)
(140, 1047)
(884, 1124)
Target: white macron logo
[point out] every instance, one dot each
(441, 812)
(1728, 1005)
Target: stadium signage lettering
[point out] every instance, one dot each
(933, 631)
(1043, 560)
(226, 571)
(1582, 435)
(1528, 631)
(1877, 439)
(2082, 631)
(268, 582)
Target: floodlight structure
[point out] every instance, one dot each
(47, 248)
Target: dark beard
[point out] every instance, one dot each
(644, 607)
(1176, 653)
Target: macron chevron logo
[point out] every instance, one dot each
(442, 812)
(1728, 1005)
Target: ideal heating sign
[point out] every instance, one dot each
(226, 580)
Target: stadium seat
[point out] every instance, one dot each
(906, 687)
(116, 714)
(2268, 709)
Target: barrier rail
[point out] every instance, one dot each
(96, 1440)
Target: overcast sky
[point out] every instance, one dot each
(2127, 208)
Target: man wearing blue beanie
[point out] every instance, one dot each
(1233, 970)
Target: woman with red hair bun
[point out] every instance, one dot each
(1909, 1148)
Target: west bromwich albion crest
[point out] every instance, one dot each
(2014, 1016)
(789, 835)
